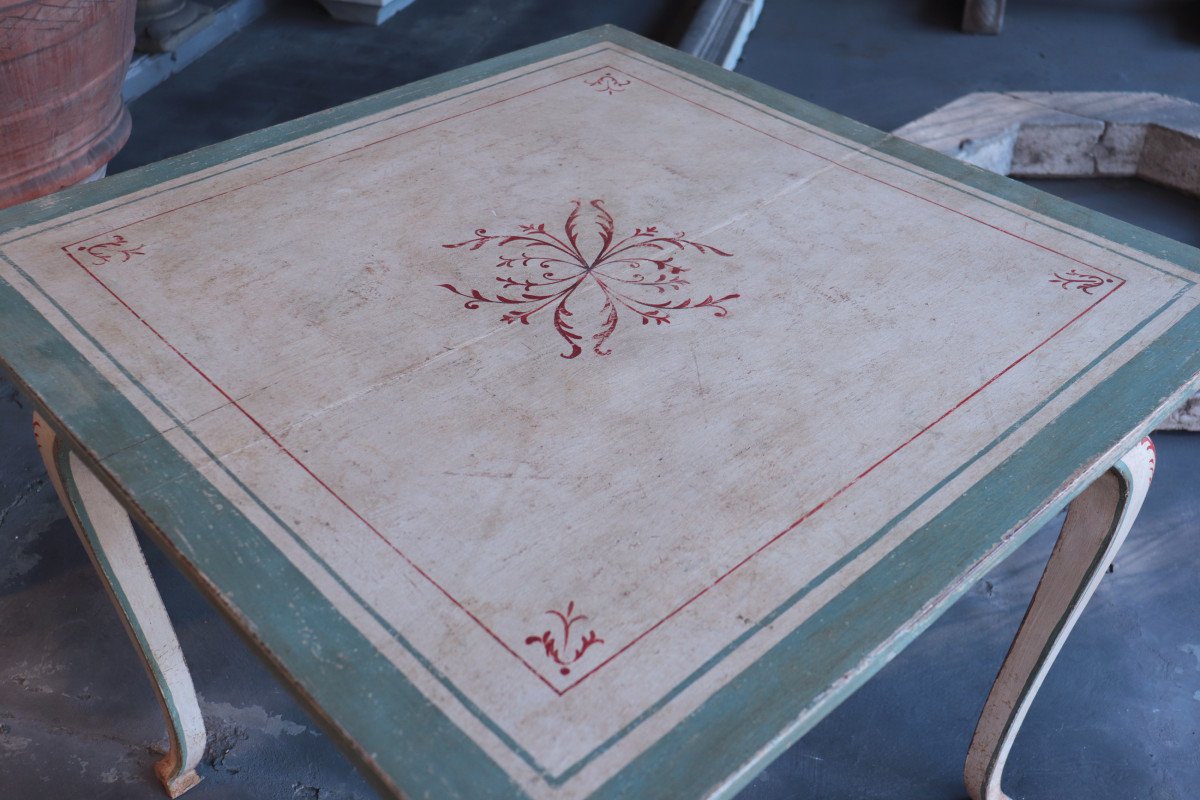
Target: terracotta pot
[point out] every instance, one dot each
(62, 63)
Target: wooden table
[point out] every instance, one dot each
(590, 421)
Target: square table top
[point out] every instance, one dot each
(589, 421)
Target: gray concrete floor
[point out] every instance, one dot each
(1118, 716)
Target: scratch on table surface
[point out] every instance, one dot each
(522, 471)
(791, 187)
(281, 432)
(407, 371)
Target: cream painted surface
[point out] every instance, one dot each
(464, 479)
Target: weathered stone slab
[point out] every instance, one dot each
(1073, 134)
(1070, 135)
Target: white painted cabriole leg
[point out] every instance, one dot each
(107, 535)
(1097, 522)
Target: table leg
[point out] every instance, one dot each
(108, 536)
(983, 16)
(1097, 522)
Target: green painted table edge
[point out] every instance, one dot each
(407, 743)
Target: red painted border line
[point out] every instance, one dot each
(840, 491)
(865, 175)
(335, 155)
(305, 467)
(805, 516)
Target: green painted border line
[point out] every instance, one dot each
(564, 776)
(915, 154)
(132, 181)
(1014, 192)
(732, 728)
(1124, 494)
(186, 429)
(149, 464)
(392, 726)
(61, 456)
(856, 552)
(188, 167)
(1019, 194)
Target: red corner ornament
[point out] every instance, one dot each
(608, 83)
(565, 658)
(1074, 279)
(633, 273)
(103, 252)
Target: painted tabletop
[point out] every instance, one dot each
(589, 421)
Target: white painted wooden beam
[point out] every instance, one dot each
(719, 30)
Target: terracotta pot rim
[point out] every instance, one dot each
(73, 167)
(65, 61)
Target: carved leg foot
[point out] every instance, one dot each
(1097, 522)
(108, 537)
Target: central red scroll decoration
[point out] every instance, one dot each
(635, 273)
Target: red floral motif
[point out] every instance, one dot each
(608, 83)
(103, 252)
(564, 659)
(623, 269)
(1074, 279)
